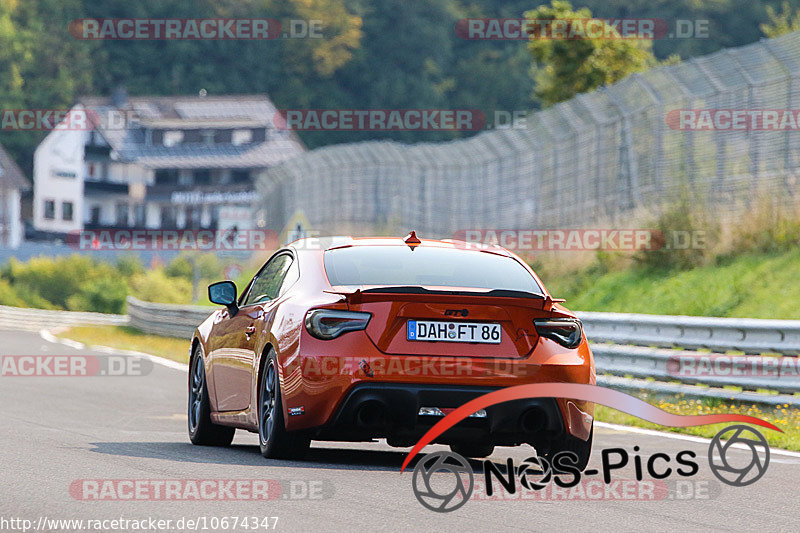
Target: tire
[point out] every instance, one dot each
(475, 450)
(582, 449)
(202, 431)
(274, 441)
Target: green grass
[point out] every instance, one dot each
(752, 286)
(127, 338)
(787, 419)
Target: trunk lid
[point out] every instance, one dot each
(393, 307)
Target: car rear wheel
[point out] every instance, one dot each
(275, 442)
(475, 450)
(201, 430)
(582, 449)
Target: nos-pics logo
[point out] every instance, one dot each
(444, 481)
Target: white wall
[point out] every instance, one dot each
(152, 215)
(16, 229)
(60, 152)
(13, 232)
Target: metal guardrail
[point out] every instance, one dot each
(750, 335)
(619, 364)
(166, 319)
(691, 391)
(623, 366)
(747, 372)
(24, 319)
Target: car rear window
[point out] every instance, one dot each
(431, 266)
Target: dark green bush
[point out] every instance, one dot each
(683, 218)
(104, 295)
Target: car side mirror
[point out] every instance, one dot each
(224, 293)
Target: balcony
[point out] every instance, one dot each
(94, 186)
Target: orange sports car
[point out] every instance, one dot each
(354, 339)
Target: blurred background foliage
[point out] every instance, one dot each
(374, 54)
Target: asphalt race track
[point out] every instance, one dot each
(57, 431)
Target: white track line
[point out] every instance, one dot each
(49, 337)
(169, 363)
(679, 436)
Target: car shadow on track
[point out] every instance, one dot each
(248, 455)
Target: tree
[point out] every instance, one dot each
(588, 59)
(43, 66)
(780, 23)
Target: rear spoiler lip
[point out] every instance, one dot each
(494, 293)
(355, 293)
(414, 289)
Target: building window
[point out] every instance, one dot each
(167, 176)
(240, 176)
(223, 136)
(94, 214)
(192, 217)
(242, 137)
(168, 220)
(259, 135)
(171, 138)
(122, 214)
(96, 171)
(49, 209)
(207, 136)
(139, 215)
(202, 177)
(66, 210)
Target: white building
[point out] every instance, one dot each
(12, 183)
(157, 162)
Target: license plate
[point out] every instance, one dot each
(434, 330)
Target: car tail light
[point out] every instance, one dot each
(567, 332)
(328, 324)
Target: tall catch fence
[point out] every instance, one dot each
(601, 156)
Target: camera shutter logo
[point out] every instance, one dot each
(456, 468)
(729, 468)
(534, 466)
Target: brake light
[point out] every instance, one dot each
(328, 324)
(567, 332)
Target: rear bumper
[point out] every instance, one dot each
(391, 411)
(320, 383)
